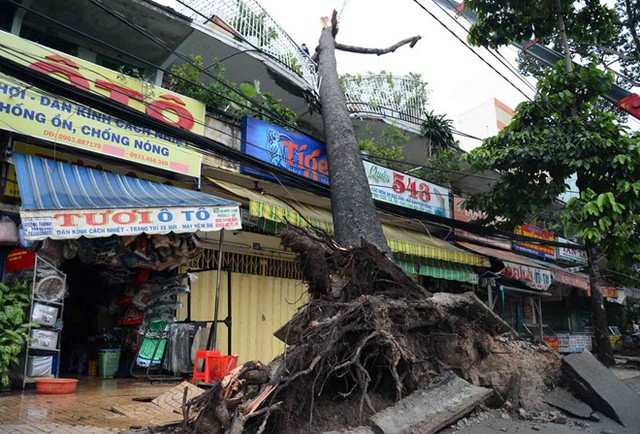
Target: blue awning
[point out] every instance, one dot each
(61, 200)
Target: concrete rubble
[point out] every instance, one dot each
(601, 389)
(428, 410)
(565, 401)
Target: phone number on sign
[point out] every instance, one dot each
(148, 158)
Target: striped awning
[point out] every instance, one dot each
(437, 269)
(63, 201)
(418, 244)
(400, 240)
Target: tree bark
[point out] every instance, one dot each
(563, 36)
(378, 51)
(354, 212)
(602, 345)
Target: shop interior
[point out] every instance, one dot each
(106, 307)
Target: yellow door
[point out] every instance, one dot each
(260, 305)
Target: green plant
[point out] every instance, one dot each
(252, 24)
(442, 165)
(438, 132)
(386, 150)
(185, 79)
(237, 100)
(14, 330)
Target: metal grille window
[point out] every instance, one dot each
(247, 264)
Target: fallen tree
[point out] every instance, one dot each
(368, 337)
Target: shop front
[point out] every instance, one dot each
(265, 282)
(515, 288)
(105, 280)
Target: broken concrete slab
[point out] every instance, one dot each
(359, 430)
(565, 401)
(601, 389)
(426, 411)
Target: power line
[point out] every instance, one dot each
(187, 59)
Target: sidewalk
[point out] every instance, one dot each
(88, 410)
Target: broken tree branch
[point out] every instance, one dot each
(379, 51)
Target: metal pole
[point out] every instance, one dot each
(490, 297)
(229, 310)
(188, 318)
(213, 334)
(540, 313)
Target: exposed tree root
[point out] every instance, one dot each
(369, 336)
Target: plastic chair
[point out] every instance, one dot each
(211, 360)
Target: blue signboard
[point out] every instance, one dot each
(283, 148)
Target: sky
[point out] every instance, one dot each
(457, 79)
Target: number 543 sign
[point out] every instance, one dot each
(401, 189)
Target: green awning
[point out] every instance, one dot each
(437, 269)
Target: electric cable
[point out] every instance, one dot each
(187, 59)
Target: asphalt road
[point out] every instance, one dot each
(548, 420)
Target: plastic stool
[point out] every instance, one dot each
(225, 364)
(211, 360)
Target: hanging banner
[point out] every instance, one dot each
(94, 223)
(531, 276)
(574, 256)
(307, 157)
(28, 111)
(580, 281)
(544, 251)
(464, 215)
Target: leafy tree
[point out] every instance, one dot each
(626, 47)
(560, 133)
(544, 145)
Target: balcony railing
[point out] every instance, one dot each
(385, 95)
(249, 20)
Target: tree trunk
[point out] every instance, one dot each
(354, 213)
(563, 36)
(602, 345)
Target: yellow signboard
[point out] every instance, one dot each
(28, 111)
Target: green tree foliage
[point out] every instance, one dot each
(627, 44)
(502, 22)
(386, 149)
(562, 132)
(246, 99)
(14, 328)
(543, 147)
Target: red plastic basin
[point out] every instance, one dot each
(56, 386)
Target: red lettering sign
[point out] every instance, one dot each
(165, 109)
